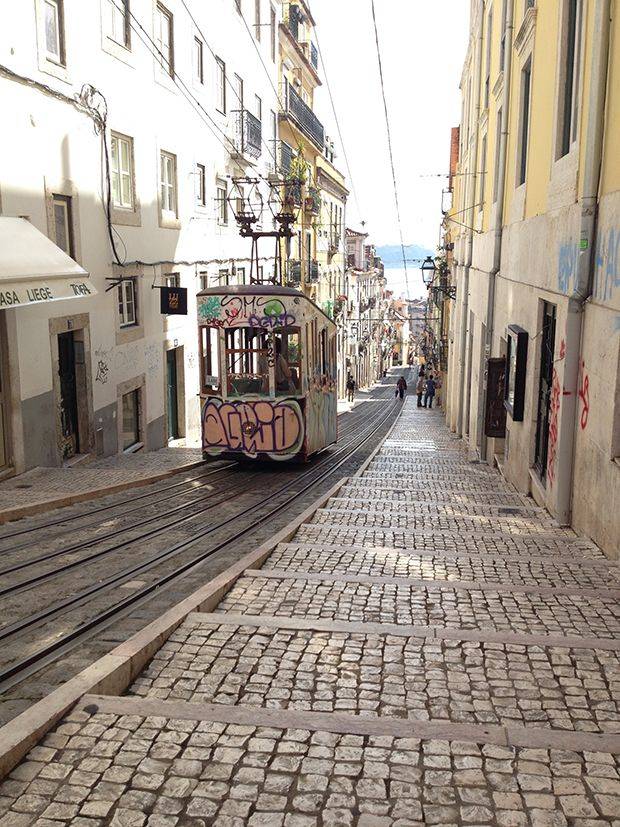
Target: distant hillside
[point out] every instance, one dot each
(392, 255)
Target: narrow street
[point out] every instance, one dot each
(429, 649)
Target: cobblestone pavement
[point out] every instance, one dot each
(430, 650)
(50, 487)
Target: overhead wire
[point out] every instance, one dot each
(389, 141)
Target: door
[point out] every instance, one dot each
(172, 395)
(545, 386)
(495, 412)
(68, 396)
(4, 407)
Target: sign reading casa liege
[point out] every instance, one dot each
(16, 295)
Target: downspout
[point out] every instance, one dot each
(470, 238)
(582, 288)
(501, 190)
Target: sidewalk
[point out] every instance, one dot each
(430, 649)
(45, 488)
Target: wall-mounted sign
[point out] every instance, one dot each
(173, 301)
(516, 368)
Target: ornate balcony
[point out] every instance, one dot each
(248, 134)
(312, 202)
(312, 272)
(303, 116)
(293, 273)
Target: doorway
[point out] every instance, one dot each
(5, 458)
(547, 349)
(69, 422)
(172, 393)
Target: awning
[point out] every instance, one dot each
(33, 269)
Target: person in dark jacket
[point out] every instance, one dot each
(419, 389)
(350, 388)
(429, 394)
(401, 387)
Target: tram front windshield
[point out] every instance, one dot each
(258, 360)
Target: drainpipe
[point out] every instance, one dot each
(470, 237)
(582, 288)
(501, 189)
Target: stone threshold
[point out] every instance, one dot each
(439, 585)
(255, 716)
(198, 619)
(553, 561)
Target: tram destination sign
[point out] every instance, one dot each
(22, 294)
(173, 301)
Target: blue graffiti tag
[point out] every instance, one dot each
(606, 264)
(567, 265)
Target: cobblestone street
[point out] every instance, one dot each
(430, 649)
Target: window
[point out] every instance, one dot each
(498, 141)
(483, 173)
(221, 202)
(204, 279)
(287, 346)
(63, 223)
(121, 171)
(569, 76)
(240, 275)
(164, 39)
(54, 30)
(173, 280)
(118, 22)
(199, 72)
(127, 310)
(238, 87)
(220, 85)
(209, 361)
(201, 185)
(524, 131)
(257, 18)
(247, 361)
(168, 183)
(131, 419)
(223, 276)
(487, 80)
(502, 45)
(258, 107)
(272, 32)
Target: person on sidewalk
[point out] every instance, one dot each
(429, 394)
(350, 388)
(419, 389)
(401, 387)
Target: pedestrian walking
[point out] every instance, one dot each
(401, 387)
(419, 389)
(350, 388)
(429, 393)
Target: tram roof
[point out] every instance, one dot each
(260, 290)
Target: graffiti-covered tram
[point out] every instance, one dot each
(267, 373)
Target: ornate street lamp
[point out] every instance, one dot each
(428, 271)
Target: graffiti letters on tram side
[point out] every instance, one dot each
(252, 427)
(240, 311)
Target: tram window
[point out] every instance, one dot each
(323, 352)
(247, 361)
(209, 361)
(287, 345)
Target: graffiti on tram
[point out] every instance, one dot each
(252, 427)
(247, 311)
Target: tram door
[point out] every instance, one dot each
(172, 394)
(68, 395)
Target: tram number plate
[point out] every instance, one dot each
(211, 380)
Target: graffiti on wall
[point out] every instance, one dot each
(240, 311)
(568, 255)
(252, 427)
(554, 410)
(584, 395)
(607, 264)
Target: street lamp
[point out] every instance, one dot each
(428, 271)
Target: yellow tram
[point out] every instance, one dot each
(267, 373)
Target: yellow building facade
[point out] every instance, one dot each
(534, 374)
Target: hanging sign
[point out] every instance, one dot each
(173, 301)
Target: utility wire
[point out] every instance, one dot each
(389, 140)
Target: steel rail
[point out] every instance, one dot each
(20, 670)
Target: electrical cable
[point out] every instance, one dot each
(389, 141)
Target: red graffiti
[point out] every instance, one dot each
(562, 349)
(554, 409)
(584, 395)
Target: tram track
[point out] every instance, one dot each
(361, 429)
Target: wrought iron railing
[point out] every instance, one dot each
(314, 56)
(312, 272)
(293, 19)
(248, 133)
(303, 116)
(293, 273)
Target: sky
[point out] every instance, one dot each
(423, 44)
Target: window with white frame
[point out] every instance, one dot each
(221, 194)
(204, 279)
(164, 39)
(201, 185)
(121, 171)
(220, 85)
(257, 18)
(173, 280)
(63, 223)
(54, 29)
(199, 68)
(524, 122)
(258, 107)
(168, 183)
(568, 87)
(118, 26)
(127, 305)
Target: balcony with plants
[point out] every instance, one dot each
(302, 116)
